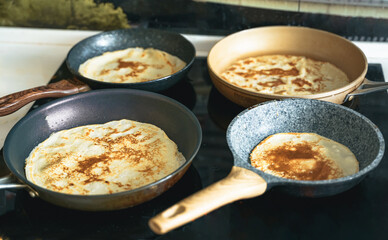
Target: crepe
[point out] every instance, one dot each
(285, 75)
(131, 65)
(303, 156)
(103, 158)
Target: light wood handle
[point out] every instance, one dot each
(239, 184)
(13, 102)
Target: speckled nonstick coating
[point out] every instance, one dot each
(170, 42)
(330, 120)
(101, 106)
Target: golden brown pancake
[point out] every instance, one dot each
(285, 75)
(103, 158)
(131, 65)
(303, 156)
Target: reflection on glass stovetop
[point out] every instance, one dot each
(24, 216)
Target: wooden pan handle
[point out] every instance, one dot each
(239, 184)
(13, 102)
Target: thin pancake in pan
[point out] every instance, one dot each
(103, 158)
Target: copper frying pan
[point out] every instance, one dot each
(313, 43)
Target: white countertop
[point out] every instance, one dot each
(30, 57)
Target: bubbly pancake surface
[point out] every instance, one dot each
(103, 158)
(131, 65)
(303, 156)
(285, 75)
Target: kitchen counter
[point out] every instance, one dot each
(30, 57)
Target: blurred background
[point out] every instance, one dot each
(359, 20)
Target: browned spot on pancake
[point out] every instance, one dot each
(248, 61)
(301, 82)
(158, 66)
(287, 160)
(280, 72)
(105, 71)
(88, 131)
(273, 83)
(86, 165)
(302, 89)
(280, 92)
(135, 66)
(269, 72)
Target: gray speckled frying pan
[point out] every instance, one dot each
(170, 42)
(251, 126)
(95, 107)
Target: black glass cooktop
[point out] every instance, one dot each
(359, 213)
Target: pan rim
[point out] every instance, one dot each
(275, 180)
(136, 84)
(74, 97)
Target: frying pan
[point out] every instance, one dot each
(98, 44)
(301, 41)
(95, 107)
(253, 125)
(170, 42)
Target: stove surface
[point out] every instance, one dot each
(358, 213)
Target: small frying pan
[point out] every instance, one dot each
(170, 42)
(253, 125)
(96, 107)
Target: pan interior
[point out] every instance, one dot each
(101, 106)
(330, 120)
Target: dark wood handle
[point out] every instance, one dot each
(13, 102)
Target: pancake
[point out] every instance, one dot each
(103, 158)
(285, 75)
(303, 156)
(131, 65)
